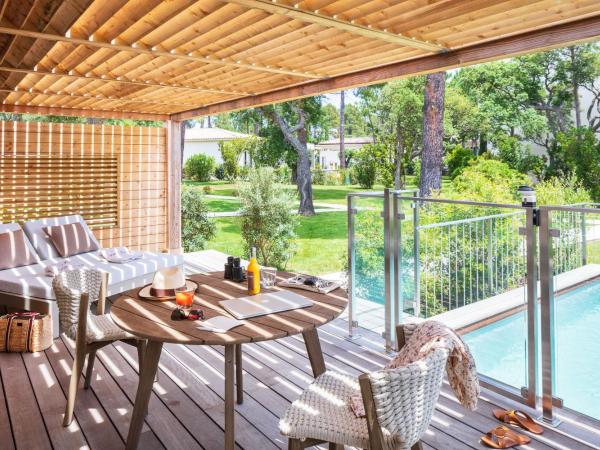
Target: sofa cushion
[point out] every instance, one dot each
(13, 226)
(14, 251)
(32, 281)
(41, 241)
(71, 239)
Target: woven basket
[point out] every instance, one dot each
(25, 332)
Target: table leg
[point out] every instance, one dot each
(239, 378)
(315, 354)
(142, 397)
(229, 397)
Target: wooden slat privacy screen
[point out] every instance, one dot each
(34, 187)
(113, 176)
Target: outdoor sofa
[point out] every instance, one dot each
(30, 288)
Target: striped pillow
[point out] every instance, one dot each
(14, 251)
(71, 239)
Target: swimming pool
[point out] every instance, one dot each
(500, 349)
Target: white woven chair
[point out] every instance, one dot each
(74, 289)
(398, 403)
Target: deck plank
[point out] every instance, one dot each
(93, 407)
(51, 400)
(186, 409)
(6, 436)
(28, 426)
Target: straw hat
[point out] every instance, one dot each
(165, 282)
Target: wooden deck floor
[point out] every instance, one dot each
(186, 409)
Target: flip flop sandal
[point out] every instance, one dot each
(519, 418)
(502, 437)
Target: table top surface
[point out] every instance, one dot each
(152, 319)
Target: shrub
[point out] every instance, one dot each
(220, 172)
(318, 176)
(512, 152)
(365, 166)
(207, 189)
(283, 174)
(582, 155)
(458, 158)
(196, 227)
(267, 220)
(199, 167)
(561, 191)
(231, 151)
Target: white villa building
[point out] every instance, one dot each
(206, 140)
(327, 153)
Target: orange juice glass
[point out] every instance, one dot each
(184, 297)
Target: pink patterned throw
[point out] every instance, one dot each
(460, 368)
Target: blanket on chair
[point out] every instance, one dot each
(460, 368)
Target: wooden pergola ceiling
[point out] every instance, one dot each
(183, 58)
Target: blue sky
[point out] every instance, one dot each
(334, 98)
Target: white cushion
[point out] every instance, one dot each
(31, 280)
(323, 412)
(103, 328)
(13, 226)
(40, 240)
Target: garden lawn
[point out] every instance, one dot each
(221, 205)
(322, 242)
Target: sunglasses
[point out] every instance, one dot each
(194, 314)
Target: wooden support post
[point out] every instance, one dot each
(174, 186)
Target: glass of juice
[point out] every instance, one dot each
(184, 297)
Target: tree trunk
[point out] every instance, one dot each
(342, 130)
(304, 177)
(399, 158)
(575, 84)
(299, 142)
(433, 134)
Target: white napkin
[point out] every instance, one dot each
(120, 255)
(219, 324)
(64, 265)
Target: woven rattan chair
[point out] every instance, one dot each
(398, 403)
(74, 289)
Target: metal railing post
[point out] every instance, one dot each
(397, 299)
(583, 240)
(547, 314)
(532, 296)
(350, 276)
(388, 269)
(417, 260)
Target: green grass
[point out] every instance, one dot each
(221, 205)
(322, 241)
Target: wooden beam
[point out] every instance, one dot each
(174, 176)
(108, 79)
(75, 112)
(156, 52)
(111, 98)
(318, 18)
(539, 40)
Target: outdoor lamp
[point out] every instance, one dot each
(527, 194)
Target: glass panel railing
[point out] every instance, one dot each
(367, 261)
(575, 243)
(465, 264)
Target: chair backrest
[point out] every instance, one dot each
(405, 398)
(68, 287)
(40, 240)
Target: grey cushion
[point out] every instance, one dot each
(40, 240)
(13, 226)
(31, 280)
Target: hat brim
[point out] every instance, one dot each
(145, 292)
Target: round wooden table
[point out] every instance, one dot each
(152, 320)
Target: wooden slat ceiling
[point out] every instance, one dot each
(189, 57)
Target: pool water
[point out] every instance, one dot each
(500, 349)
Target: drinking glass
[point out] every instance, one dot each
(184, 297)
(268, 277)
